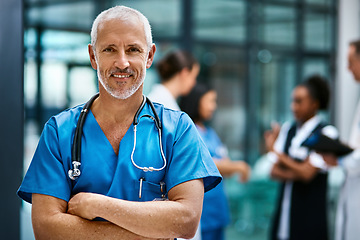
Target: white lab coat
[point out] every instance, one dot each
(160, 94)
(348, 212)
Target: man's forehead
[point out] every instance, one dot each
(112, 22)
(128, 27)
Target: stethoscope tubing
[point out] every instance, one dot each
(148, 169)
(75, 172)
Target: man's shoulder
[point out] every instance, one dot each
(172, 119)
(168, 112)
(65, 117)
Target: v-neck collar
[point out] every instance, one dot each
(97, 132)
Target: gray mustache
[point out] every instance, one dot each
(125, 71)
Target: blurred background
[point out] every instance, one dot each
(253, 52)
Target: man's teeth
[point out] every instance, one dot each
(121, 76)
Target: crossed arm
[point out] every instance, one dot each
(54, 218)
(288, 169)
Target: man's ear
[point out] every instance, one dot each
(92, 56)
(151, 54)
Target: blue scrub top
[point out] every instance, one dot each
(104, 172)
(215, 208)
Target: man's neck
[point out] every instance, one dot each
(116, 110)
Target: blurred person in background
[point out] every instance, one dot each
(178, 71)
(301, 211)
(348, 211)
(200, 104)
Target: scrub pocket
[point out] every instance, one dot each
(149, 191)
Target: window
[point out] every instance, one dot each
(252, 52)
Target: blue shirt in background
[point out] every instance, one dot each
(215, 209)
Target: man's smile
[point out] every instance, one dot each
(120, 75)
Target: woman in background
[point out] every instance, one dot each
(302, 206)
(200, 105)
(178, 71)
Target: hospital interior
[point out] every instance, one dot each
(253, 52)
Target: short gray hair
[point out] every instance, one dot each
(121, 13)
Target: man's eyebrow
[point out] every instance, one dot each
(129, 45)
(135, 45)
(107, 45)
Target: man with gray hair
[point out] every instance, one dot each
(348, 211)
(119, 166)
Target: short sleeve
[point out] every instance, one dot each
(220, 150)
(316, 159)
(46, 174)
(330, 131)
(190, 158)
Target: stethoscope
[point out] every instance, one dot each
(76, 146)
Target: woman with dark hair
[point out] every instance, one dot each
(200, 105)
(178, 71)
(302, 210)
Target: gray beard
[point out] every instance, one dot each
(125, 94)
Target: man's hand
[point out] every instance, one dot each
(81, 205)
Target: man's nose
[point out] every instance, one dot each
(122, 61)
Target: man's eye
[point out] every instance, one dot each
(134, 50)
(108, 50)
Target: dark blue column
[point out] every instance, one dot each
(11, 116)
(187, 25)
